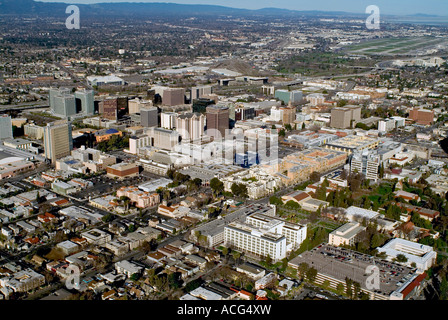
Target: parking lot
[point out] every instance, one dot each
(340, 263)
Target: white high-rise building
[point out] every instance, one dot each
(262, 235)
(168, 120)
(190, 126)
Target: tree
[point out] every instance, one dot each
(108, 217)
(315, 176)
(239, 190)
(217, 186)
(401, 258)
(135, 277)
(302, 269)
(311, 274)
(348, 287)
(303, 126)
(275, 200)
(381, 171)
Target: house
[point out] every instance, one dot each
(109, 295)
(407, 196)
(251, 270)
(128, 268)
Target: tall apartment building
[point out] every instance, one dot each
(149, 117)
(5, 127)
(173, 96)
(57, 140)
(386, 125)
(217, 120)
(190, 126)
(345, 117)
(422, 116)
(137, 142)
(366, 163)
(168, 120)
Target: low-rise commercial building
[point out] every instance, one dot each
(348, 234)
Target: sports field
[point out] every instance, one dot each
(395, 46)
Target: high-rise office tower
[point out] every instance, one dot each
(149, 117)
(217, 120)
(57, 92)
(64, 105)
(58, 140)
(5, 127)
(342, 117)
(173, 96)
(113, 108)
(85, 101)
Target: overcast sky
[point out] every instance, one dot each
(401, 7)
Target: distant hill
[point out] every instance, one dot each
(146, 9)
(30, 7)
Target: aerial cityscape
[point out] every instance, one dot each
(191, 152)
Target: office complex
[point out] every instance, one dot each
(57, 140)
(64, 103)
(84, 100)
(289, 96)
(162, 138)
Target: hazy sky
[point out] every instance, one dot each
(401, 7)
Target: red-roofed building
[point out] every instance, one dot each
(34, 240)
(61, 203)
